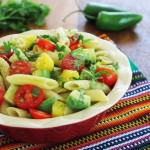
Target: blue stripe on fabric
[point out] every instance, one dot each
(121, 139)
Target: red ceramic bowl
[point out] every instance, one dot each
(63, 128)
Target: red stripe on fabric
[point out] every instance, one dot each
(123, 120)
(126, 109)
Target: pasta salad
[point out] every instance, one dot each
(53, 74)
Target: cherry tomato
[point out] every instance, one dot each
(73, 41)
(68, 63)
(2, 93)
(4, 57)
(45, 44)
(10, 54)
(76, 46)
(28, 96)
(37, 114)
(19, 67)
(111, 79)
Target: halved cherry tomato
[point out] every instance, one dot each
(2, 93)
(19, 67)
(111, 79)
(11, 52)
(68, 63)
(76, 46)
(37, 114)
(4, 57)
(73, 41)
(45, 44)
(28, 96)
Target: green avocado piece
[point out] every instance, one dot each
(91, 55)
(86, 75)
(42, 73)
(47, 105)
(76, 101)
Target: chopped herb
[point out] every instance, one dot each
(79, 56)
(7, 47)
(49, 38)
(17, 53)
(60, 56)
(81, 37)
(31, 56)
(92, 84)
(31, 46)
(60, 48)
(116, 65)
(81, 97)
(35, 91)
(17, 14)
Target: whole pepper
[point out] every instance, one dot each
(92, 9)
(115, 21)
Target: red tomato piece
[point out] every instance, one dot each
(45, 44)
(4, 57)
(28, 96)
(2, 93)
(73, 41)
(37, 114)
(10, 54)
(19, 67)
(68, 63)
(76, 46)
(111, 79)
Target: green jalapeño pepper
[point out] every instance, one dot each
(92, 9)
(115, 21)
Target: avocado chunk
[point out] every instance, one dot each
(91, 55)
(42, 73)
(47, 105)
(9, 95)
(86, 75)
(78, 101)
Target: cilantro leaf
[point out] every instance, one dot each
(35, 91)
(79, 56)
(60, 56)
(81, 97)
(7, 47)
(60, 48)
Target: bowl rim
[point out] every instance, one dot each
(119, 89)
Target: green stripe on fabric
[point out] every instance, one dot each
(133, 66)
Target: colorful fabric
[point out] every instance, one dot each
(126, 125)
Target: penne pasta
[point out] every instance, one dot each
(96, 95)
(16, 112)
(50, 93)
(4, 71)
(62, 37)
(77, 84)
(65, 95)
(3, 107)
(21, 79)
(60, 90)
(55, 58)
(2, 83)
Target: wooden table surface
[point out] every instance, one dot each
(135, 42)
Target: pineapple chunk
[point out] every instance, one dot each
(58, 109)
(44, 61)
(68, 75)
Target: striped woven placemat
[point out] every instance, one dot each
(126, 125)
